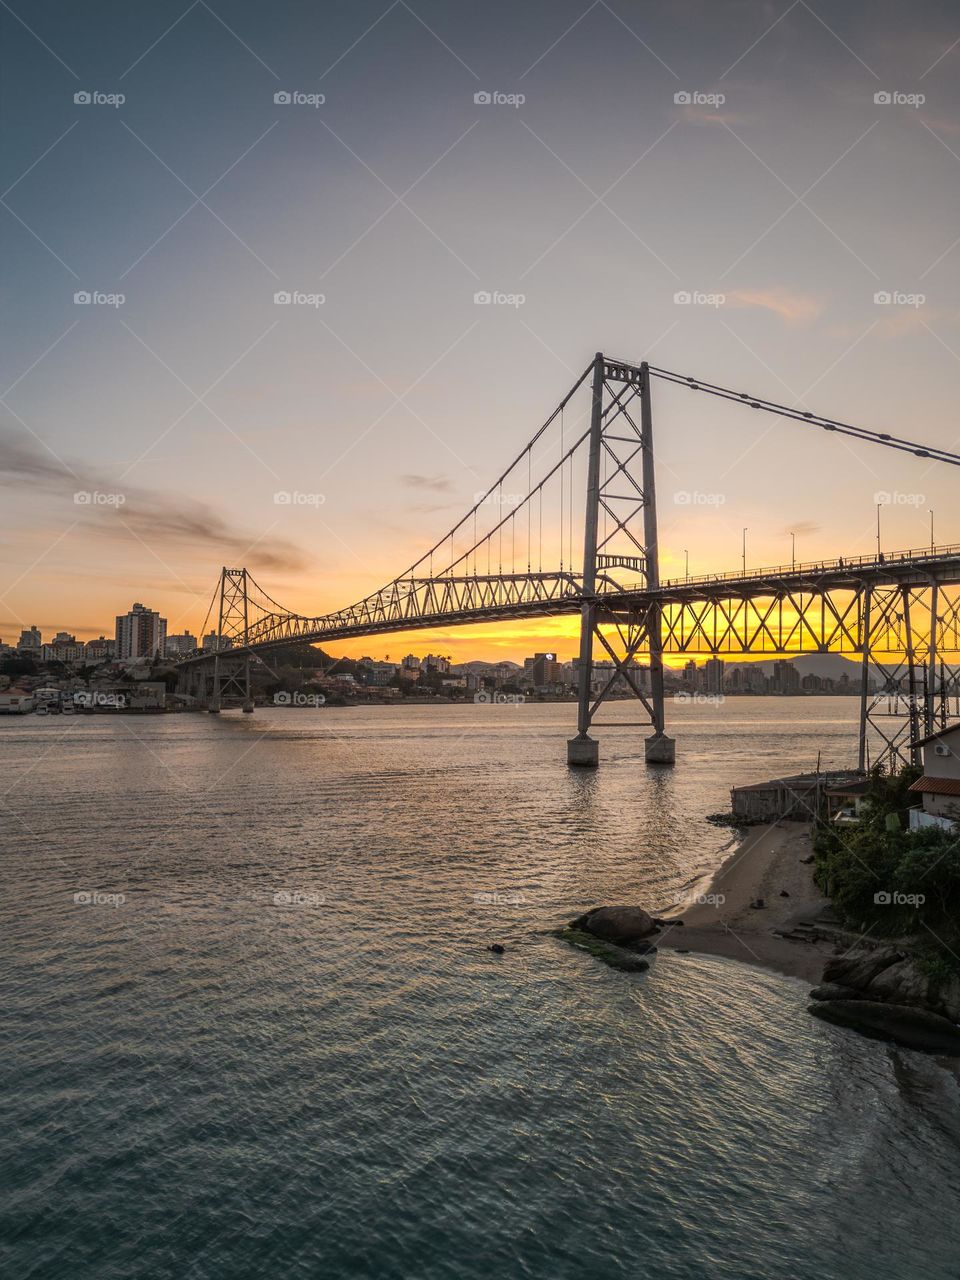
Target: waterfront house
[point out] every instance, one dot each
(940, 784)
(845, 801)
(16, 702)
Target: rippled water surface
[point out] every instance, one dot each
(288, 1053)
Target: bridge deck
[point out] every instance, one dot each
(816, 605)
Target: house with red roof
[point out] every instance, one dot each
(940, 784)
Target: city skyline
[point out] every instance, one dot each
(771, 288)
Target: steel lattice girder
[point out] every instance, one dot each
(784, 620)
(768, 619)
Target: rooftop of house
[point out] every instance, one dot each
(937, 786)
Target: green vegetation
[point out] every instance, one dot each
(18, 666)
(891, 882)
(616, 957)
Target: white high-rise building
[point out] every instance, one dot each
(178, 645)
(141, 633)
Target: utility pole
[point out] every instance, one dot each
(744, 553)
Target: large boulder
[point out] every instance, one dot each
(904, 1025)
(834, 991)
(616, 924)
(900, 983)
(859, 968)
(947, 999)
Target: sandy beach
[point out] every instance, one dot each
(768, 860)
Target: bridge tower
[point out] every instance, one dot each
(231, 661)
(620, 534)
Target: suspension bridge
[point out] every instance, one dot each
(570, 527)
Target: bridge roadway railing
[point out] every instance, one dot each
(945, 560)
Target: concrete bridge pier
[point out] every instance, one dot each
(583, 751)
(660, 749)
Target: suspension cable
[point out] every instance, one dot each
(811, 419)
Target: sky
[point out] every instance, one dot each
(793, 169)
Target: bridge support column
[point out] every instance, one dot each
(584, 750)
(609, 481)
(864, 676)
(658, 748)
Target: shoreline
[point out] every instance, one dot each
(766, 860)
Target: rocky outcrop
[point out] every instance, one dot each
(859, 968)
(835, 991)
(884, 992)
(947, 999)
(901, 983)
(616, 924)
(905, 1025)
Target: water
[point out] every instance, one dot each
(204, 1081)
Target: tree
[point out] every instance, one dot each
(19, 666)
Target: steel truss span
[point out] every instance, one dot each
(570, 527)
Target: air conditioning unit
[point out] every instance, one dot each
(942, 750)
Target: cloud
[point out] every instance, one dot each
(436, 484)
(792, 308)
(939, 124)
(119, 510)
(708, 115)
(800, 527)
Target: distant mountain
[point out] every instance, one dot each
(482, 668)
(832, 665)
